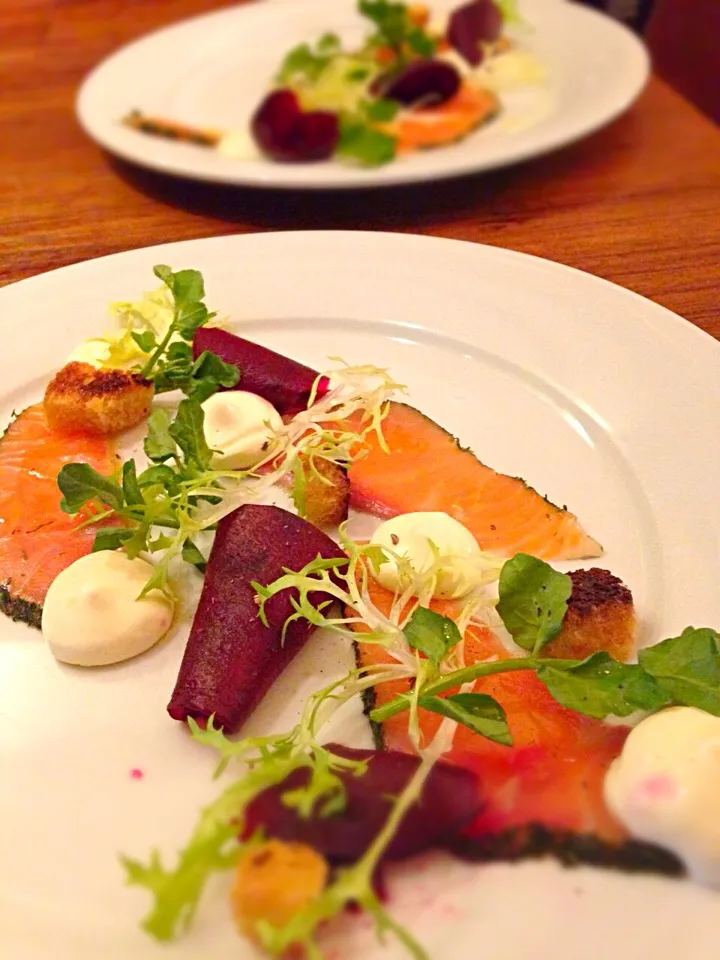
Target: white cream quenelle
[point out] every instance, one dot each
(241, 427)
(665, 787)
(423, 539)
(92, 615)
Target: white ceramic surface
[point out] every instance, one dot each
(213, 70)
(599, 398)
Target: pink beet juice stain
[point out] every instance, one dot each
(659, 786)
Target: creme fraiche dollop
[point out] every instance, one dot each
(664, 787)
(241, 427)
(426, 539)
(92, 615)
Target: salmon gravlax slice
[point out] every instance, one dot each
(554, 770)
(420, 129)
(543, 794)
(426, 469)
(37, 540)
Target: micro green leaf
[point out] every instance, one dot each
(159, 444)
(431, 634)
(533, 600)
(160, 474)
(110, 538)
(329, 43)
(601, 686)
(477, 711)
(395, 29)
(146, 340)
(303, 62)
(189, 313)
(209, 366)
(131, 488)
(379, 111)
(187, 431)
(186, 286)
(190, 316)
(191, 554)
(687, 668)
(360, 141)
(80, 484)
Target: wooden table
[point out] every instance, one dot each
(637, 203)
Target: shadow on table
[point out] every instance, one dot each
(507, 194)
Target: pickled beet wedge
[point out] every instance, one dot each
(450, 800)
(472, 24)
(284, 383)
(232, 659)
(286, 133)
(426, 82)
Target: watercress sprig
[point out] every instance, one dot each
(181, 490)
(683, 670)
(161, 496)
(170, 363)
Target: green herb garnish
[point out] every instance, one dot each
(364, 143)
(170, 363)
(396, 30)
(423, 646)
(533, 600)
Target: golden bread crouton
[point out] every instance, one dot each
(327, 496)
(82, 399)
(274, 881)
(600, 616)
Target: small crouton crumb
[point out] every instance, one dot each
(274, 881)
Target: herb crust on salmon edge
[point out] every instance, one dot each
(535, 840)
(18, 609)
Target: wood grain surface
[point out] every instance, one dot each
(637, 203)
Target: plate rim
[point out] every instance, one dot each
(33, 288)
(319, 236)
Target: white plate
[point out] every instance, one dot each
(601, 399)
(213, 70)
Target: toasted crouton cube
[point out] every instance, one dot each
(273, 881)
(327, 493)
(600, 616)
(83, 399)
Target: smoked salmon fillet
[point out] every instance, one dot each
(420, 129)
(544, 794)
(37, 540)
(427, 469)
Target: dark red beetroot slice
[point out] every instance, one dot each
(285, 383)
(285, 133)
(450, 801)
(427, 82)
(232, 659)
(471, 25)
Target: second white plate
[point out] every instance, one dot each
(212, 71)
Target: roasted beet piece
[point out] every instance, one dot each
(473, 24)
(425, 82)
(450, 800)
(232, 658)
(285, 383)
(285, 133)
